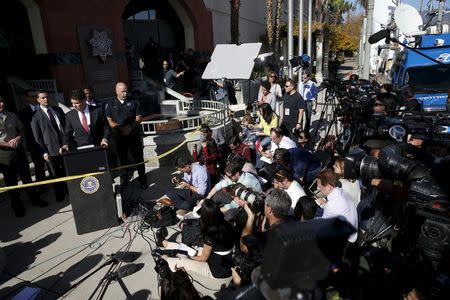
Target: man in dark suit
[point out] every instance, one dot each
(26, 115)
(84, 124)
(48, 128)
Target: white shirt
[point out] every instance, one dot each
(88, 115)
(55, 115)
(339, 204)
(285, 143)
(295, 192)
(352, 189)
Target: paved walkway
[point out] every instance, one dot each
(44, 251)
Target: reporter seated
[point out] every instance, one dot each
(214, 260)
(192, 188)
(284, 179)
(337, 203)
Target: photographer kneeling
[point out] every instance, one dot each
(276, 211)
(214, 259)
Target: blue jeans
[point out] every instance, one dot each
(308, 115)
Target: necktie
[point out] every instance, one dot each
(53, 121)
(84, 122)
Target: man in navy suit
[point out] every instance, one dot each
(48, 128)
(26, 115)
(84, 124)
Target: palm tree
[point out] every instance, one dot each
(234, 21)
(334, 10)
(278, 26)
(269, 22)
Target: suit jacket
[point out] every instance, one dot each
(74, 134)
(26, 115)
(45, 135)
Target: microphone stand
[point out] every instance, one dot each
(110, 277)
(101, 281)
(112, 261)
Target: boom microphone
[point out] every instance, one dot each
(378, 36)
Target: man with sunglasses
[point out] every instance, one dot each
(293, 108)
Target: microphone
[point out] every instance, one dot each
(378, 36)
(125, 271)
(127, 257)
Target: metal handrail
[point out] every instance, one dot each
(215, 118)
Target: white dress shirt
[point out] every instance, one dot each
(339, 204)
(295, 192)
(285, 143)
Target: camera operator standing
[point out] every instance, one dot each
(308, 90)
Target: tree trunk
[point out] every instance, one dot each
(269, 22)
(319, 56)
(326, 53)
(278, 27)
(234, 21)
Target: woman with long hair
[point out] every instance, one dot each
(275, 89)
(266, 96)
(268, 119)
(214, 259)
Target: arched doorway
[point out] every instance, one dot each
(153, 31)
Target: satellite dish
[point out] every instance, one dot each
(408, 19)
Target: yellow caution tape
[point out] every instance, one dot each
(73, 177)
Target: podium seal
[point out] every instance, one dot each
(89, 185)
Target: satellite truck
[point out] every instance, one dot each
(421, 63)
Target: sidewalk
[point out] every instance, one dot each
(43, 249)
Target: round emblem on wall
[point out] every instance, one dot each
(89, 185)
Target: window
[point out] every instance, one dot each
(145, 15)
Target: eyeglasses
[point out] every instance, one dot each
(272, 76)
(301, 137)
(286, 86)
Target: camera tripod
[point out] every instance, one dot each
(331, 100)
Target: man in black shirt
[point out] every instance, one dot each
(169, 75)
(293, 108)
(124, 117)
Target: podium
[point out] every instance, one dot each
(92, 197)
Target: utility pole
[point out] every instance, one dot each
(300, 36)
(309, 28)
(439, 17)
(290, 34)
(367, 46)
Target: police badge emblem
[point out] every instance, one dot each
(89, 185)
